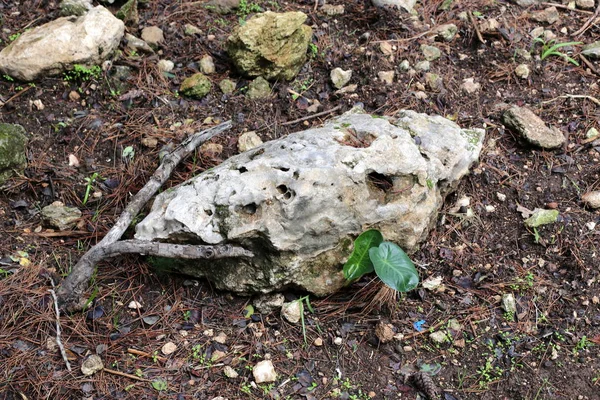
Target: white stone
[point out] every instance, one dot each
(134, 305)
(386, 77)
(91, 365)
(230, 372)
(264, 371)
(591, 199)
(207, 65)
(432, 283)
(585, 4)
(338, 341)
(501, 196)
(165, 65)
(248, 141)
(153, 35)
(469, 86)
(51, 48)
(291, 311)
(407, 5)
(282, 199)
(522, 71)
(340, 78)
(169, 348)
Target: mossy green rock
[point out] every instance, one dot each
(271, 45)
(12, 150)
(129, 12)
(541, 217)
(196, 86)
(227, 86)
(259, 89)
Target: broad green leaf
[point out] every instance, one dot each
(160, 385)
(394, 267)
(359, 263)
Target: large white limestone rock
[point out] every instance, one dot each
(54, 47)
(298, 202)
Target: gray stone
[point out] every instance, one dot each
(532, 128)
(407, 5)
(191, 30)
(446, 31)
(423, 66)
(196, 86)
(431, 53)
(153, 35)
(585, 4)
(404, 65)
(258, 89)
(332, 10)
(207, 65)
(12, 150)
(248, 141)
(591, 199)
(222, 6)
(138, 44)
(267, 303)
(227, 86)
(548, 15)
(57, 215)
(74, 7)
(439, 337)
(230, 372)
(340, 78)
(434, 81)
(591, 50)
(298, 202)
(270, 45)
(52, 48)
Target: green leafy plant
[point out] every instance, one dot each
(550, 48)
(246, 8)
(128, 153)
(14, 37)
(301, 302)
(391, 264)
(88, 187)
(8, 78)
(160, 385)
(83, 73)
(313, 50)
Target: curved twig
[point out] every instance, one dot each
(73, 287)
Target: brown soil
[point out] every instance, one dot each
(548, 350)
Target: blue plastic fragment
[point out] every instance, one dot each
(419, 325)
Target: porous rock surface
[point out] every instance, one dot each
(54, 47)
(298, 202)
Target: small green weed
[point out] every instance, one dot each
(246, 8)
(550, 48)
(83, 73)
(14, 37)
(88, 187)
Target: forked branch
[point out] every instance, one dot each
(72, 288)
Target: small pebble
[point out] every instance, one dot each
(337, 341)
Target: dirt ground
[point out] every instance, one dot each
(548, 349)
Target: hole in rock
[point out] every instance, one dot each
(242, 170)
(282, 189)
(250, 208)
(208, 212)
(380, 181)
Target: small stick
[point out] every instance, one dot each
(574, 96)
(63, 352)
(137, 378)
(144, 354)
(319, 114)
(2, 104)
(477, 32)
(589, 22)
(589, 64)
(566, 7)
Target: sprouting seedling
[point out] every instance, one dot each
(550, 48)
(88, 187)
